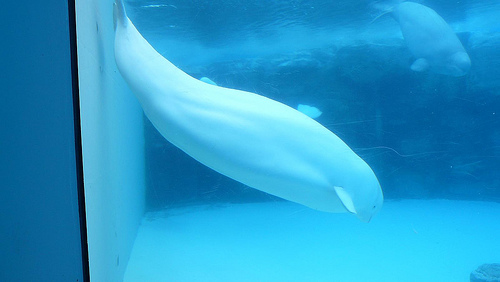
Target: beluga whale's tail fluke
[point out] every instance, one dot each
(383, 8)
(385, 5)
(250, 138)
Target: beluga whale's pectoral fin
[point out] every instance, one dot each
(345, 198)
(250, 138)
(420, 65)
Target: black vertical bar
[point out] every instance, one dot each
(78, 139)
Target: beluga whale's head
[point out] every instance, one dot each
(360, 192)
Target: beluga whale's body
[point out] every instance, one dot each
(430, 39)
(247, 137)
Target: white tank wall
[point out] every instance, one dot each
(113, 145)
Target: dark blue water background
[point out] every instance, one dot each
(425, 135)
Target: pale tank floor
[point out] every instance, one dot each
(409, 240)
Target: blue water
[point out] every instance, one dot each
(425, 135)
(428, 137)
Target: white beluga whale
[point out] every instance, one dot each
(250, 138)
(430, 39)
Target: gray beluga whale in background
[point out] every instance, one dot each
(430, 39)
(250, 138)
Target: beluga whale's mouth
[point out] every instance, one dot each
(252, 139)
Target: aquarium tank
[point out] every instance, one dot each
(268, 140)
